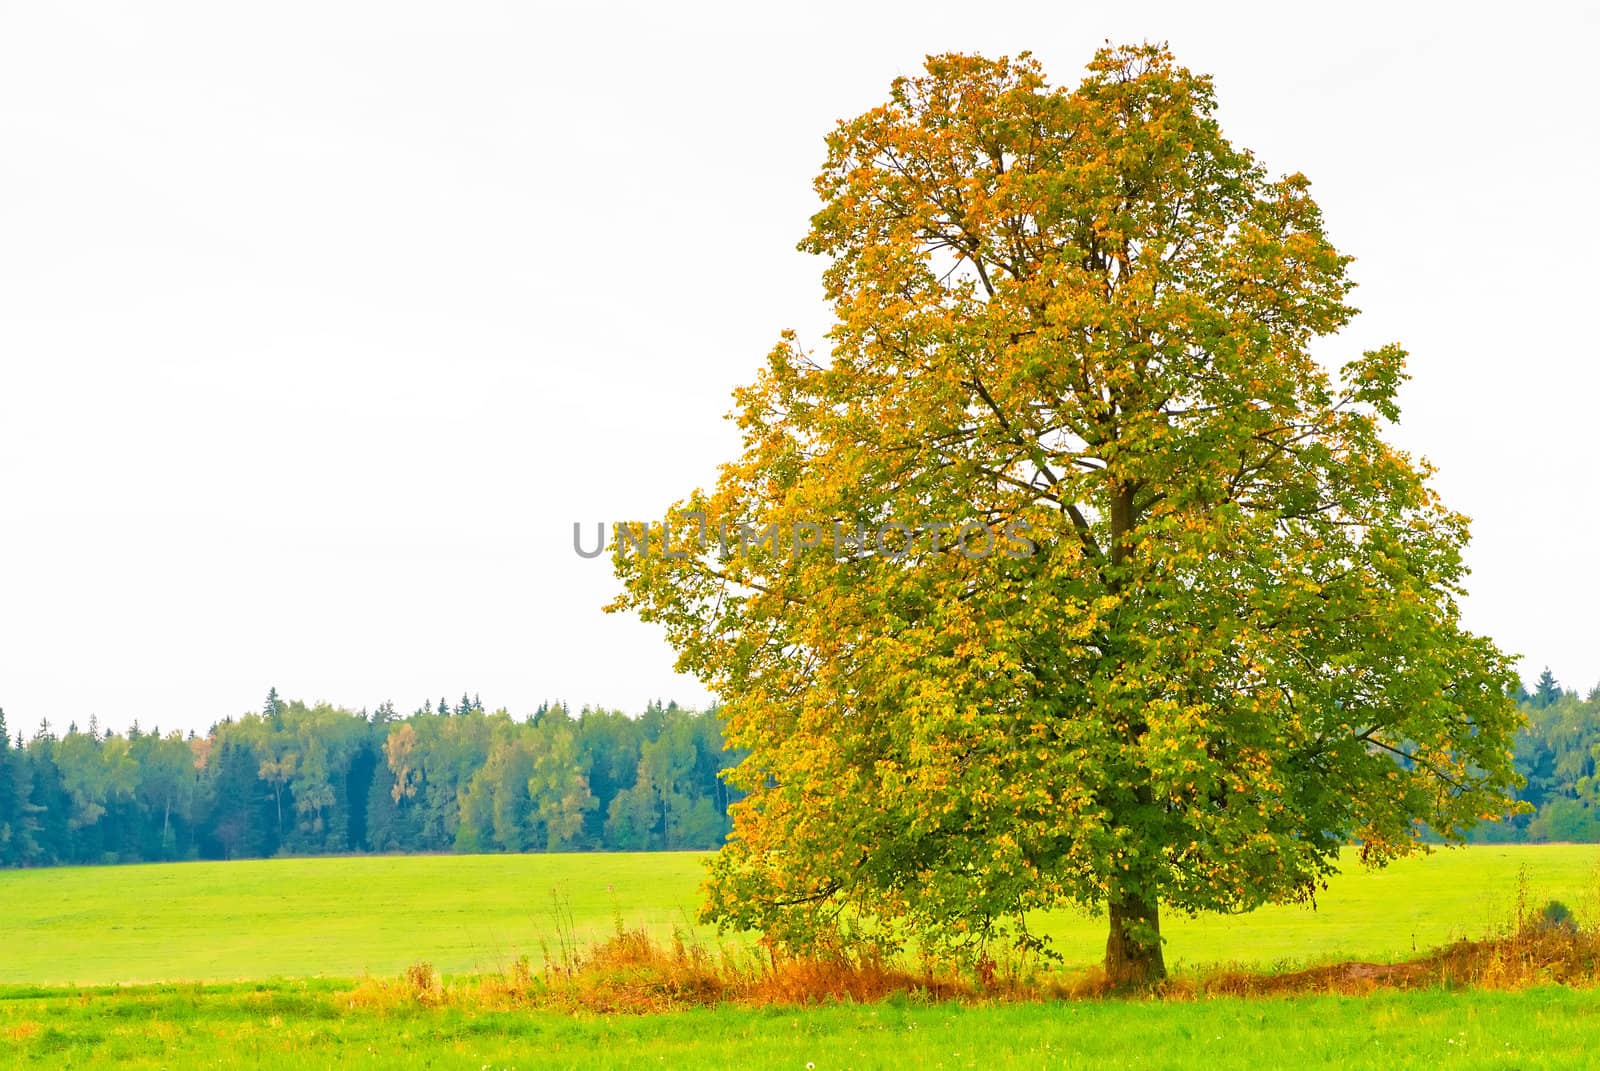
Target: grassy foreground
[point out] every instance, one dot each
(346, 917)
(315, 926)
(310, 1025)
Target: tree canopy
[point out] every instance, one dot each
(1232, 642)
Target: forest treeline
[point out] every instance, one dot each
(307, 780)
(1556, 754)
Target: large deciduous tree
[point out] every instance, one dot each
(1232, 644)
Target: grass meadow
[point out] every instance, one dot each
(304, 1025)
(275, 963)
(347, 917)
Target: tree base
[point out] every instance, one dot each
(1133, 946)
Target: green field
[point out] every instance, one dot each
(346, 917)
(301, 1025)
(302, 931)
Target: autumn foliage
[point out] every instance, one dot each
(1234, 645)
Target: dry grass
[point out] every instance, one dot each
(632, 972)
(1553, 957)
(1536, 946)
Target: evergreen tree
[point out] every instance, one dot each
(1548, 691)
(49, 801)
(10, 797)
(243, 815)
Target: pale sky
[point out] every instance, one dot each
(321, 323)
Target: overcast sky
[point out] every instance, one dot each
(320, 324)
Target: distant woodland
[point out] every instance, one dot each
(309, 780)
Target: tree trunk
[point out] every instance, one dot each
(1133, 948)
